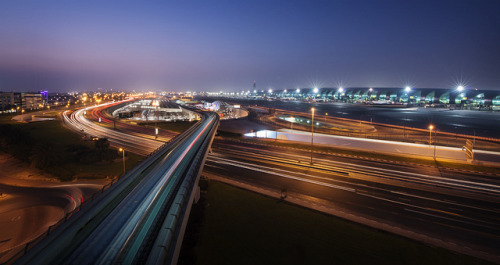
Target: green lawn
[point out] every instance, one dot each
(104, 169)
(70, 150)
(178, 126)
(241, 227)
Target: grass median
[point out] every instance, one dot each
(242, 227)
(177, 126)
(70, 156)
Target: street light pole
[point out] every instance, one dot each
(435, 143)
(312, 134)
(430, 134)
(155, 103)
(123, 152)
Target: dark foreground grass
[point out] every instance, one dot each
(69, 167)
(241, 227)
(178, 126)
(103, 169)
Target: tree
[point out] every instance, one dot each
(102, 147)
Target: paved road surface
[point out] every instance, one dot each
(368, 145)
(27, 212)
(460, 208)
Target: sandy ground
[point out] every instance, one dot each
(31, 201)
(17, 173)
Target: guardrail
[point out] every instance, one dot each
(59, 243)
(23, 249)
(172, 229)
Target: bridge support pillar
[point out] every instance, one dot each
(197, 194)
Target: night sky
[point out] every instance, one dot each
(226, 45)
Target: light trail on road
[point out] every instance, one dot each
(133, 143)
(459, 208)
(463, 210)
(126, 225)
(372, 171)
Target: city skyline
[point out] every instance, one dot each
(76, 46)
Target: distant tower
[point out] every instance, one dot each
(254, 85)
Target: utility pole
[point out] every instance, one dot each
(430, 134)
(435, 143)
(123, 152)
(312, 134)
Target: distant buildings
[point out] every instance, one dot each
(460, 97)
(20, 101)
(153, 110)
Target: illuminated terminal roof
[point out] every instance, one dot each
(408, 95)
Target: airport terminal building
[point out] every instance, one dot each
(458, 98)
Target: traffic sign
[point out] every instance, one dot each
(469, 146)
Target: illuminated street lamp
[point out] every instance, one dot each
(460, 88)
(326, 114)
(339, 92)
(123, 152)
(156, 104)
(312, 133)
(430, 134)
(407, 89)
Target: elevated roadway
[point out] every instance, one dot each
(454, 209)
(142, 217)
(130, 141)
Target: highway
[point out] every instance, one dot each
(131, 141)
(458, 208)
(109, 121)
(129, 222)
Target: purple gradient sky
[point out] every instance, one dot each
(225, 45)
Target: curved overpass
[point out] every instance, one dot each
(134, 142)
(141, 218)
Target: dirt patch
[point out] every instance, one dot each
(15, 172)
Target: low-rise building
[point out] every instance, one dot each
(21, 101)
